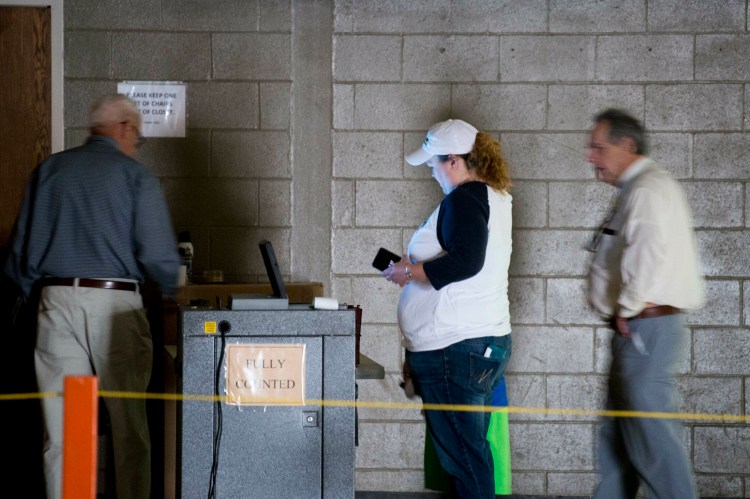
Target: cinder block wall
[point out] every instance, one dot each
(300, 113)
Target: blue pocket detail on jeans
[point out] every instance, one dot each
(484, 373)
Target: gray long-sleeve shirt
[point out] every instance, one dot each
(92, 211)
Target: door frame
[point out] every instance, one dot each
(57, 72)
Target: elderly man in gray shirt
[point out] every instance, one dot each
(93, 222)
(644, 275)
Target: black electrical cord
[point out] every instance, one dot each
(218, 420)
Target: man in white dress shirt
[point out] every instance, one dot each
(644, 276)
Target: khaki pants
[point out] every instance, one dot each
(100, 332)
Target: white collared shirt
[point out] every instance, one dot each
(647, 252)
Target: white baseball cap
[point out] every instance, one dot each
(446, 137)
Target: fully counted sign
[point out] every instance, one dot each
(266, 374)
(162, 106)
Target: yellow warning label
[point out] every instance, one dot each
(209, 327)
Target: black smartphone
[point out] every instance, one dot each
(383, 258)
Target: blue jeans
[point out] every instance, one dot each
(460, 374)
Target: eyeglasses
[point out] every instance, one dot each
(140, 140)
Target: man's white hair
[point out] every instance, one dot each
(112, 109)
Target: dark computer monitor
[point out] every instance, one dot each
(272, 269)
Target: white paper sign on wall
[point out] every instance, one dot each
(162, 106)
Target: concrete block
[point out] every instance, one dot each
(577, 397)
(694, 107)
(79, 95)
(746, 305)
(722, 307)
(527, 393)
(450, 58)
(390, 445)
(366, 58)
(674, 152)
(389, 480)
(212, 202)
(382, 343)
(87, 54)
(573, 107)
(344, 16)
(596, 16)
(547, 156)
(580, 204)
(552, 350)
(171, 56)
(388, 204)
(500, 107)
(400, 107)
(276, 16)
(342, 289)
(550, 253)
(723, 253)
(711, 395)
(567, 302)
(275, 104)
(235, 250)
(547, 58)
(250, 154)
(529, 203)
(722, 450)
(602, 349)
(529, 483)
(274, 203)
(719, 486)
(252, 56)
(473, 16)
(378, 298)
(187, 156)
(77, 136)
(715, 204)
(552, 447)
(385, 401)
(721, 351)
(722, 155)
(98, 14)
(342, 203)
(571, 484)
(367, 154)
(196, 15)
(644, 58)
(696, 15)
(354, 249)
(722, 57)
(526, 297)
(343, 106)
(222, 105)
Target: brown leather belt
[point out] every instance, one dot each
(90, 283)
(657, 311)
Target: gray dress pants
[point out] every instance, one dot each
(645, 451)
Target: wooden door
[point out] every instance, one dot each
(25, 139)
(25, 103)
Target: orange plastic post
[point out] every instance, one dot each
(81, 410)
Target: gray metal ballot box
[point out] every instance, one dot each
(298, 449)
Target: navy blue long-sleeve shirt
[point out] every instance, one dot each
(462, 222)
(92, 211)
